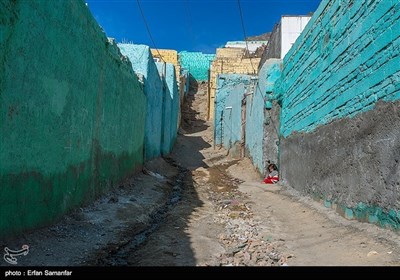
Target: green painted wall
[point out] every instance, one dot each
(72, 112)
(197, 63)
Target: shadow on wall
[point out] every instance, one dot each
(193, 84)
(143, 222)
(192, 122)
(171, 245)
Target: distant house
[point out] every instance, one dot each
(283, 36)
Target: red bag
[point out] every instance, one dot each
(271, 179)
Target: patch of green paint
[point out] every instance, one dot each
(348, 213)
(373, 219)
(327, 203)
(361, 212)
(372, 214)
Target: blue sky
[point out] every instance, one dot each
(192, 25)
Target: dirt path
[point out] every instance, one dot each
(235, 220)
(317, 236)
(199, 207)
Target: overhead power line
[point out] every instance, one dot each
(257, 83)
(148, 29)
(244, 33)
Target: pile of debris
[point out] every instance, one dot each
(245, 240)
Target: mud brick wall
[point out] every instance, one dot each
(169, 56)
(229, 61)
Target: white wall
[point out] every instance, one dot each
(291, 27)
(253, 45)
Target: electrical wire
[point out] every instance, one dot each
(257, 83)
(148, 29)
(245, 36)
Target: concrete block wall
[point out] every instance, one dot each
(228, 114)
(274, 47)
(340, 118)
(262, 125)
(171, 106)
(228, 61)
(144, 66)
(291, 28)
(169, 56)
(197, 63)
(72, 112)
(284, 35)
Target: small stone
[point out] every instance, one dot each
(174, 200)
(274, 256)
(263, 263)
(372, 253)
(113, 200)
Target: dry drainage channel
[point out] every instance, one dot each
(118, 256)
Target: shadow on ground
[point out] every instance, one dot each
(140, 222)
(193, 121)
(172, 244)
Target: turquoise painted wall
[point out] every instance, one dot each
(72, 112)
(256, 115)
(143, 64)
(186, 78)
(171, 106)
(228, 107)
(174, 93)
(197, 63)
(340, 90)
(346, 59)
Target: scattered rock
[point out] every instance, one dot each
(372, 253)
(113, 199)
(174, 200)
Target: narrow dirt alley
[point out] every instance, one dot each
(199, 207)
